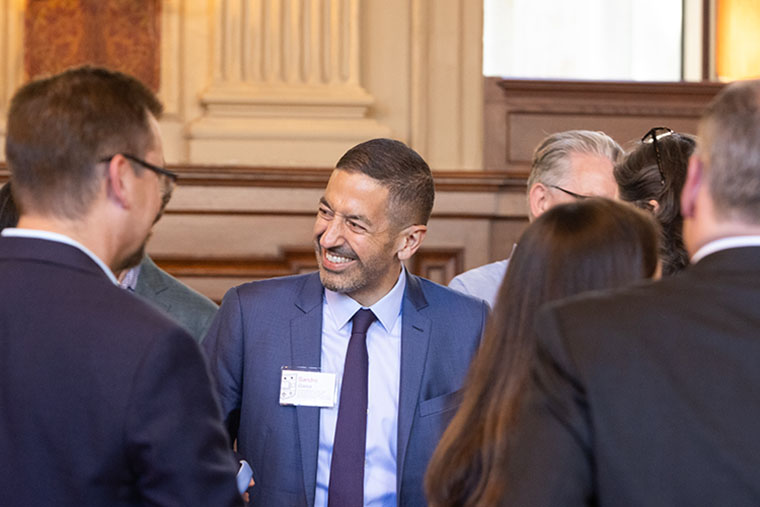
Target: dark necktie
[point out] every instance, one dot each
(346, 487)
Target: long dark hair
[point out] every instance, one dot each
(571, 248)
(639, 180)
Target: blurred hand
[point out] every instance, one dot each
(246, 496)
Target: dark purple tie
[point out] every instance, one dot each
(347, 468)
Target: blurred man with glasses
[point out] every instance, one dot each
(143, 277)
(104, 400)
(569, 165)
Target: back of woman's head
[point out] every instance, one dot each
(592, 244)
(584, 245)
(571, 248)
(640, 182)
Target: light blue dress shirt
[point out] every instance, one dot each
(384, 351)
(129, 280)
(482, 282)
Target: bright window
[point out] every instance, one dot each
(639, 40)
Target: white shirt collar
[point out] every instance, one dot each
(387, 309)
(724, 244)
(14, 232)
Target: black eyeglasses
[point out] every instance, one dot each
(651, 137)
(573, 194)
(158, 170)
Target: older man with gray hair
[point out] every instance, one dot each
(566, 165)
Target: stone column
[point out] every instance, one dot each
(285, 85)
(11, 58)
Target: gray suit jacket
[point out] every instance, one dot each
(191, 309)
(263, 326)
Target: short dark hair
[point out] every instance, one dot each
(8, 211)
(60, 127)
(639, 181)
(729, 133)
(402, 171)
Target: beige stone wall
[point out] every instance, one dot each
(11, 57)
(296, 82)
(263, 96)
(293, 84)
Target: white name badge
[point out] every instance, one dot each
(307, 387)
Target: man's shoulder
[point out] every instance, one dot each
(445, 299)
(172, 289)
(106, 314)
(628, 299)
(482, 282)
(616, 318)
(605, 303)
(491, 272)
(279, 282)
(441, 291)
(274, 291)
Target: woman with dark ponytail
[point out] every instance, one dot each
(651, 177)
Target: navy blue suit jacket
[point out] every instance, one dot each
(263, 326)
(103, 400)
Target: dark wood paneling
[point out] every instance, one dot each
(520, 113)
(437, 264)
(304, 177)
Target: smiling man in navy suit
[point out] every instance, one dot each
(387, 391)
(103, 400)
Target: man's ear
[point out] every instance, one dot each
(118, 179)
(539, 199)
(409, 241)
(694, 179)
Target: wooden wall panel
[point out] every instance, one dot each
(519, 113)
(214, 276)
(229, 225)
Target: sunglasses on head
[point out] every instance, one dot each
(653, 136)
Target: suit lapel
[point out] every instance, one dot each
(305, 346)
(150, 282)
(415, 336)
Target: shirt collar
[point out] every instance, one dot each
(15, 232)
(387, 309)
(129, 281)
(724, 244)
